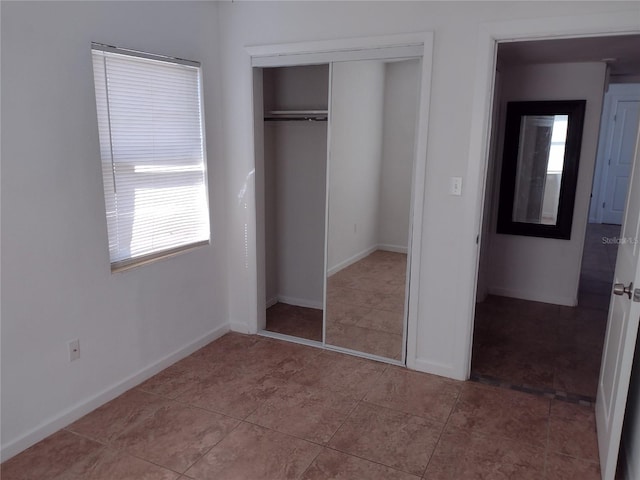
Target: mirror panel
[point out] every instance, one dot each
(540, 168)
(371, 156)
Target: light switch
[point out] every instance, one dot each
(455, 187)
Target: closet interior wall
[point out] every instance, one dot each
(295, 169)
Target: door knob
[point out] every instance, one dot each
(620, 289)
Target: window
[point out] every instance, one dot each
(153, 154)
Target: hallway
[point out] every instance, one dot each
(550, 349)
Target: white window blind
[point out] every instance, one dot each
(153, 158)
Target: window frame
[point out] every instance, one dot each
(134, 261)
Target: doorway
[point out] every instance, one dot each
(548, 349)
(542, 304)
(620, 118)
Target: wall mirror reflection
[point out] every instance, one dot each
(371, 156)
(540, 168)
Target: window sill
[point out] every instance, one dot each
(125, 265)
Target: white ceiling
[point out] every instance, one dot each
(625, 49)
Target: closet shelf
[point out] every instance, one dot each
(297, 115)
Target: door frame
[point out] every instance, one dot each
(328, 51)
(490, 35)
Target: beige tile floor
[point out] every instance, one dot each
(365, 308)
(301, 322)
(550, 348)
(249, 407)
(365, 305)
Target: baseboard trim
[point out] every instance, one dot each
(292, 339)
(533, 296)
(271, 302)
(351, 260)
(434, 368)
(393, 248)
(300, 302)
(239, 327)
(80, 409)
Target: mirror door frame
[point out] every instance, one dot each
(364, 48)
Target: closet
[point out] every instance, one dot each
(295, 171)
(335, 159)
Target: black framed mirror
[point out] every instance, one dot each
(540, 168)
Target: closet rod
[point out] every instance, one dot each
(297, 115)
(295, 119)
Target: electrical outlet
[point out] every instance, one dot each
(74, 350)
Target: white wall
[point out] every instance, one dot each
(56, 279)
(441, 343)
(357, 101)
(296, 88)
(401, 99)
(543, 269)
(299, 164)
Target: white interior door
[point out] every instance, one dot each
(623, 143)
(622, 330)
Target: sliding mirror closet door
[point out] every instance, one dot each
(295, 164)
(371, 161)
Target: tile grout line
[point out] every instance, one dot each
(551, 394)
(110, 445)
(120, 450)
(548, 444)
(489, 435)
(240, 421)
(148, 461)
(244, 420)
(358, 403)
(311, 463)
(371, 461)
(100, 450)
(81, 435)
(444, 427)
(211, 448)
(360, 400)
(326, 445)
(177, 402)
